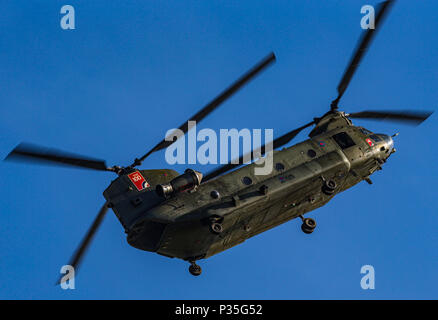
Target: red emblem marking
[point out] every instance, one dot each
(138, 180)
(369, 141)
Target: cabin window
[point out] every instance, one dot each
(215, 194)
(375, 137)
(311, 153)
(343, 140)
(279, 166)
(247, 181)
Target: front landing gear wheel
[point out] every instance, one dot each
(195, 270)
(308, 225)
(329, 187)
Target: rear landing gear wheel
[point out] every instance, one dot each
(308, 225)
(194, 269)
(216, 228)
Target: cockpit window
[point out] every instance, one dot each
(365, 131)
(343, 140)
(375, 137)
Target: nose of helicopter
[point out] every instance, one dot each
(388, 140)
(387, 147)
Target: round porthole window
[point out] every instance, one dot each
(279, 166)
(215, 194)
(311, 153)
(247, 181)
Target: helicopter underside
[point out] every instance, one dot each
(194, 240)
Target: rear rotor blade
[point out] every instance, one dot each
(86, 241)
(214, 104)
(277, 143)
(364, 43)
(410, 117)
(32, 153)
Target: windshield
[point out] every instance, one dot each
(375, 137)
(365, 131)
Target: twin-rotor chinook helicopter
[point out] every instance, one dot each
(192, 217)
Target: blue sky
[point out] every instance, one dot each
(130, 71)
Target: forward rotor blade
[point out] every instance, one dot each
(277, 143)
(33, 153)
(410, 117)
(364, 43)
(86, 241)
(214, 103)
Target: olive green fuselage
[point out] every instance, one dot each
(179, 226)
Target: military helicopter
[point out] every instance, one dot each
(192, 217)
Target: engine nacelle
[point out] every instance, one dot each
(185, 182)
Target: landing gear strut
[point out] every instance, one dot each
(194, 269)
(308, 225)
